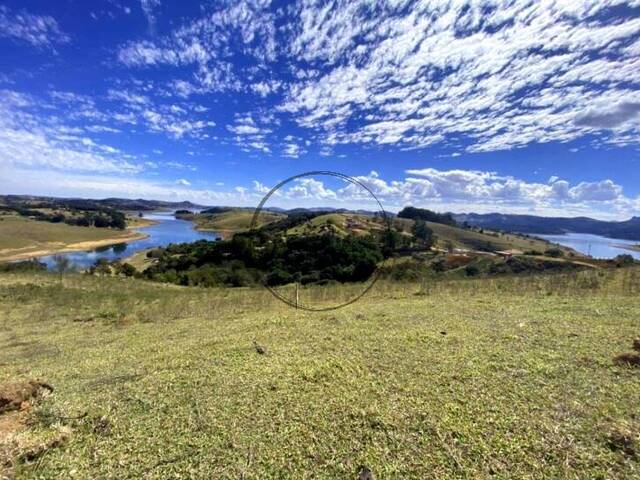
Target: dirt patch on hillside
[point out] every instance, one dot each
(628, 359)
(16, 399)
(14, 395)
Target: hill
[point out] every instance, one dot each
(448, 236)
(504, 378)
(227, 220)
(628, 229)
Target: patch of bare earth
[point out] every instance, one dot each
(16, 399)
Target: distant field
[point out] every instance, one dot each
(134, 221)
(233, 221)
(23, 238)
(491, 378)
(339, 223)
(474, 240)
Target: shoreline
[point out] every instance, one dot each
(74, 247)
(632, 248)
(224, 234)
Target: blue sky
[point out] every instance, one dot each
(511, 106)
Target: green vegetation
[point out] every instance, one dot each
(414, 213)
(504, 378)
(248, 258)
(23, 266)
(423, 234)
(317, 247)
(81, 213)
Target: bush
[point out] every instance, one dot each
(426, 215)
(554, 252)
(624, 260)
(471, 270)
(24, 266)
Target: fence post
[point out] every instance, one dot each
(297, 295)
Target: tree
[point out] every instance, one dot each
(422, 233)
(554, 252)
(624, 260)
(101, 221)
(427, 215)
(127, 270)
(61, 264)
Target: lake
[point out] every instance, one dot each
(594, 245)
(168, 230)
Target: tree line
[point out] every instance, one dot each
(100, 217)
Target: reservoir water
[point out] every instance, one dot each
(167, 230)
(594, 245)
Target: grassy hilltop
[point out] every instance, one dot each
(494, 378)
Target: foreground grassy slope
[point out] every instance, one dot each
(507, 378)
(22, 238)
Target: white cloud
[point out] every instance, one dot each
(183, 182)
(180, 166)
(28, 140)
(498, 74)
(204, 45)
(148, 7)
(260, 188)
(309, 188)
(38, 30)
(293, 150)
(472, 190)
(250, 135)
(46, 182)
(266, 88)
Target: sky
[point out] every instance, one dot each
(485, 106)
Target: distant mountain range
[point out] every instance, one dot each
(628, 229)
(293, 211)
(117, 203)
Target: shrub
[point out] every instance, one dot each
(24, 266)
(624, 260)
(553, 252)
(471, 270)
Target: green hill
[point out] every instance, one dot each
(456, 237)
(233, 220)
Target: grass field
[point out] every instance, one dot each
(24, 238)
(491, 378)
(233, 221)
